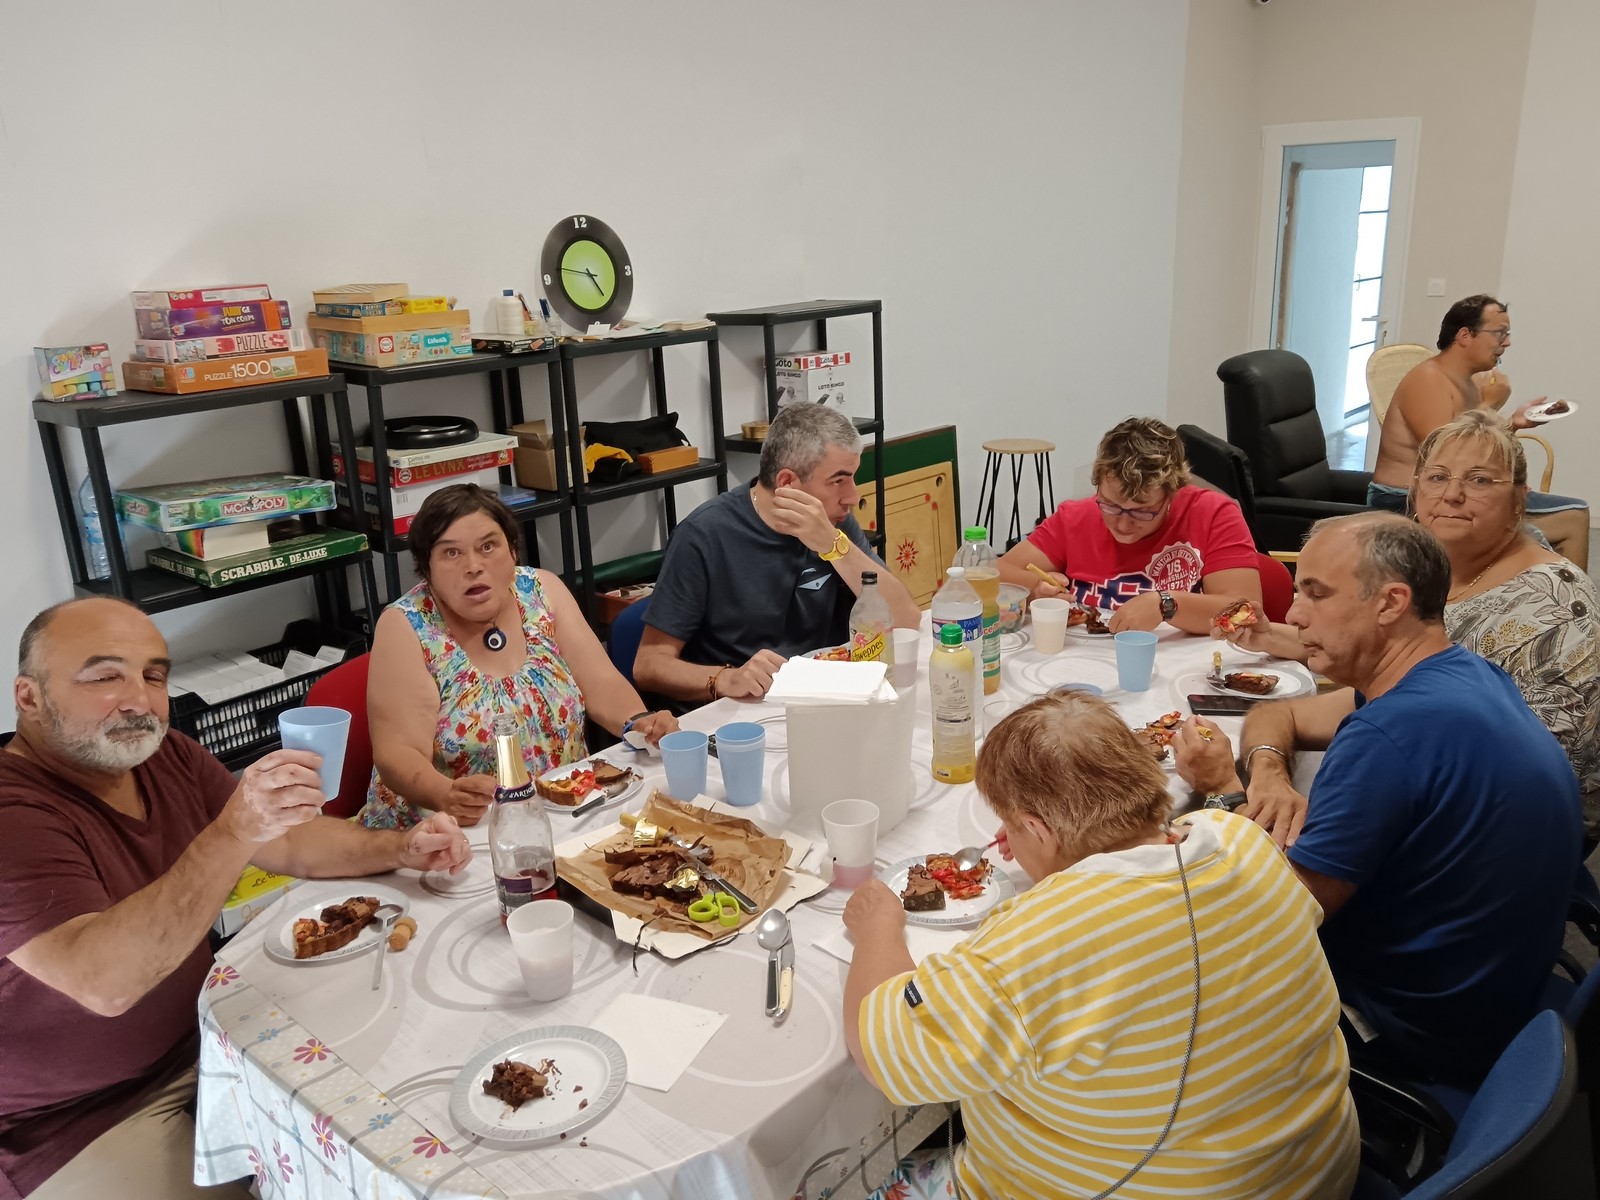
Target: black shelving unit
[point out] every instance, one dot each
(585, 495)
(151, 588)
(505, 396)
(818, 312)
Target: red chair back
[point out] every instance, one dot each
(346, 687)
(1277, 586)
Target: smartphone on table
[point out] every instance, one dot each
(1213, 704)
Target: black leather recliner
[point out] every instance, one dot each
(1271, 403)
(1223, 466)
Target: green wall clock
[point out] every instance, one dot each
(587, 275)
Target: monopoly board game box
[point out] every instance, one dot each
(173, 506)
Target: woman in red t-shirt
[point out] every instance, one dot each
(1148, 546)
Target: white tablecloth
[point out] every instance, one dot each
(321, 1087)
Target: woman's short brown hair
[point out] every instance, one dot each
(447, 506)
(1071, 761)
(1487, 429)
(1140, 454)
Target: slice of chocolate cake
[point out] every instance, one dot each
(922, 892)
(515, 1083)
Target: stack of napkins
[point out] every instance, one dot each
(815, 681)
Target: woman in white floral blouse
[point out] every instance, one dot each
(1518, 604)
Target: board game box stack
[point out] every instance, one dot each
(384, 325)
(223, 531)
(204, 339)
(75, 372)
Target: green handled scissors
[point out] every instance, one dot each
(715, 906)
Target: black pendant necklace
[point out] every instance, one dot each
(494, 638)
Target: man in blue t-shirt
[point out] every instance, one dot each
(1443, 828)
(767, 571)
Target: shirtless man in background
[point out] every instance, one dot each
(1464, 374)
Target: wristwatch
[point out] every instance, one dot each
(1227, 800)
(1169, 606)
(840, 547)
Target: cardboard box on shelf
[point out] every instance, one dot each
(406, 501)
(675, 459)
(229, 344)
(242, 370)
(237, 293)
(454, 318)
(392, 349)
(613, 602)
(213, 320)
(817, 378)
(360, 293)
(535, 457)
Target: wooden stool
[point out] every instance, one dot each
(1017, 449)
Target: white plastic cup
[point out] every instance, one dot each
(907, 656)
(320, 730)
(541, 938)
(851, 827)
(1050, 614)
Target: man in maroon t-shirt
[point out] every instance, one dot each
(1148, 546)
(122, 840)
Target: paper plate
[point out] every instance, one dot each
(954, 912)
(593, 1071)
(561, 772)
(279, 942)
(1541, 413)
(1293, 680)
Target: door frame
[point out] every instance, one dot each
(1405, 133)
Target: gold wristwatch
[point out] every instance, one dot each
(840, 547)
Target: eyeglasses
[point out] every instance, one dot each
(1116, 510)
(1500, 335)
(1433, 482)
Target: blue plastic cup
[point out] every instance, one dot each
(322, 731)
(1136, 659)
(684, 755)
(742, 753)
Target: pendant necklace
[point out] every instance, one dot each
(494, 638)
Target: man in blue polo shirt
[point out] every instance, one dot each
(1443, 828)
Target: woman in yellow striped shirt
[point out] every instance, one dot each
(1152, 1018)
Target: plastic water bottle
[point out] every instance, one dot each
(95, 559)
(955, 707)
(521, 843)
(871, 625)
(956, 603)
(508, 314)
(978, 557)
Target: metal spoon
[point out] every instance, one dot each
(970, 856)
(772, 932)
(384, 916)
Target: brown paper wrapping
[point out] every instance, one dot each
(751, 859)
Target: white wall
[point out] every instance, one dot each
(1552, 257)
(1003, 177)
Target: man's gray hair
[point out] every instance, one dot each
(800, 437)
(1395, 549)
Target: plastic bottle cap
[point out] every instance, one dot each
(868, 577)
(955, 572)
(950, 634)
(975, 533)
(509, 292)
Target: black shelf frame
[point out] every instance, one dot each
(819, 313)
(151, 588)
(586, 495)
(504, 372)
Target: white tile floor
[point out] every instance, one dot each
(1347, 448)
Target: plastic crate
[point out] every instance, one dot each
(240, 730)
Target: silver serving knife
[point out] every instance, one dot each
(686, 852)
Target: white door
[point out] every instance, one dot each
(1335, 213)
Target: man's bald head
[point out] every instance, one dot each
(90, 612)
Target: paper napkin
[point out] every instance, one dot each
(659, 1037)
(813, 681)
(921, 940)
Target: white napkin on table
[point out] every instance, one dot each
(921, 940)
(813, 681)
(659, 1037)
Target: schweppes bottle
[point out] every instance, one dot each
(871, 639)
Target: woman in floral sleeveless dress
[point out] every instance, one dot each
(480, 636)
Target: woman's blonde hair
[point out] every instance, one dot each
(1071, 761)
(1483, 428)
(1140, 454)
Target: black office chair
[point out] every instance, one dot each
(1222, 465)
(1271, 403)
